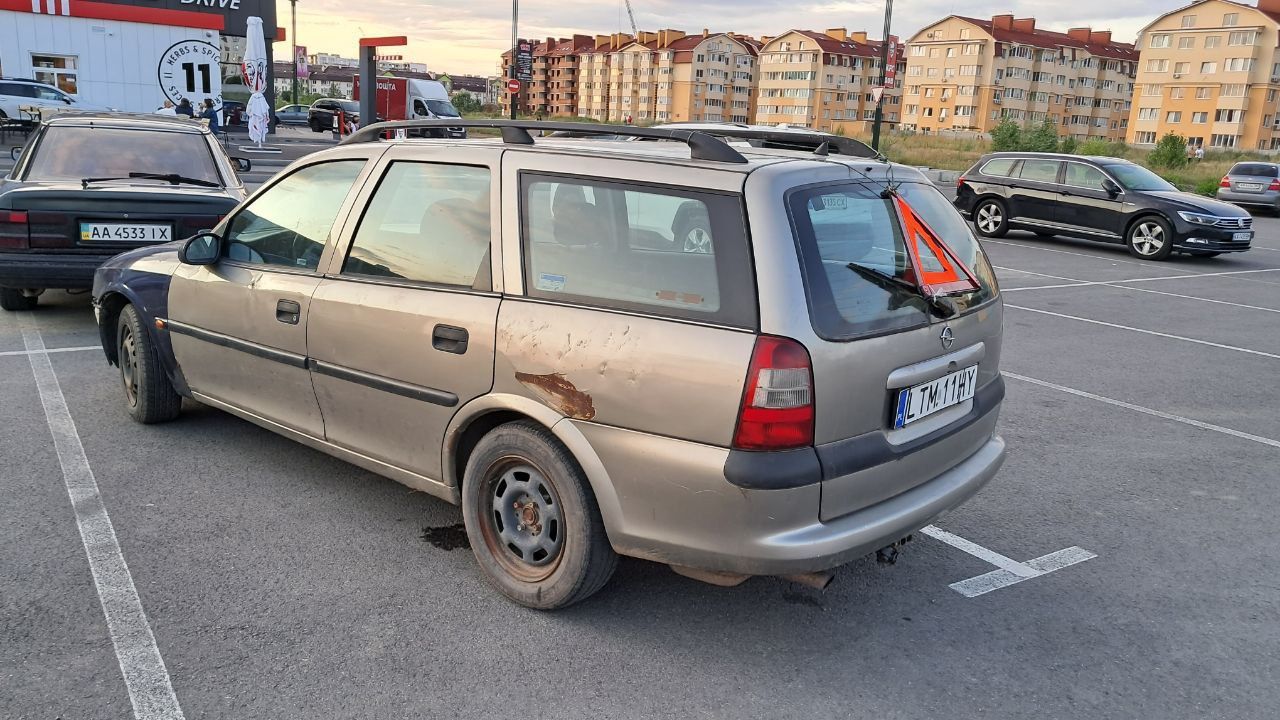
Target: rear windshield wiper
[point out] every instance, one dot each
(941, 305)
(171, 178)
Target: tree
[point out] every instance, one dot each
(1006, 137)
(1094, 146)
(465, 102)
(1068, 145)
(1040, 138)
(1170, 152)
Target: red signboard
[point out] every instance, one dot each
(513, 86)
(392, 101)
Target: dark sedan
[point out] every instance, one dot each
(1097, 198)
(88, 187)
(323, 111)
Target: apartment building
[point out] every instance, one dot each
(554, 87)
(822, 80)
(1210, 71)
(593, 75)
(965, 75)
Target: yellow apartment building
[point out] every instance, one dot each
(1210, 71)
(822, 80)
(965, 75)
(593, 75)
(669, 76)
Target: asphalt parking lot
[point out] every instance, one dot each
(280, 583)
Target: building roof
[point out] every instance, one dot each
(1051, 40)
(828, 44)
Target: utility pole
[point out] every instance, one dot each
(884, 66)
(514, 97)
(293, 35)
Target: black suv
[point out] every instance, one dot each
(320, 116)
(1097, 198)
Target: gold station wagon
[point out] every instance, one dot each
(734, 351)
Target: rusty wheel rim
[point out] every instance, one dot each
(522, 519)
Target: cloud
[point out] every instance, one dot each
(469, 37)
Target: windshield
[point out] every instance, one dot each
(1136, 177)
(443, 108)
(74, 153)
(857, 268)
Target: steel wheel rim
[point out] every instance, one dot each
(989, 217)
(1148, 238)
(522, 520)
(129, 365)
(697, 240)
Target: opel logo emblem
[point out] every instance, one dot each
(947, 337)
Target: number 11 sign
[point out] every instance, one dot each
(190, 69)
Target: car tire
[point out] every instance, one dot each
(1150, 238)
(990, 218)
(315, 125)
(532, 520)
(148, 395)
(14, 299)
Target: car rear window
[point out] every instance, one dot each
(657, 250)
(1255, 170)
(75, 153)
(1000, 167)
(852, 224)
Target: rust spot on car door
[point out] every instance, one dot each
(561, 394)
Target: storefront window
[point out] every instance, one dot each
(56, 70)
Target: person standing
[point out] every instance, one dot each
(1199, 153)
(184, 108)
(168, 108)
(210, 113)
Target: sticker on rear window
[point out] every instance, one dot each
(549, 282)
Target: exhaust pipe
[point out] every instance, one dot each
(816, 580)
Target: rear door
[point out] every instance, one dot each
(1034, 193)
(1087, 207)
(401, 331)
(869, 341)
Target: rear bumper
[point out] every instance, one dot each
(64, 271)
(1269, 198)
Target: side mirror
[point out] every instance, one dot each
(1111, 188)
(242, 164)
(14, 152)
(202, 249)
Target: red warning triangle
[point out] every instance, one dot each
(936, 268)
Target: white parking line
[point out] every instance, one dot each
(1010, 572)
(145, 675)
(1116, 284)
(51, 350)
(1146, 332)
(1146, 410)
(1082, 283)
(1187, 273)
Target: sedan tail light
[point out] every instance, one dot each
(1275, 184)
(960, 181)
(1225, 182)
(14, 229)
(777, 402)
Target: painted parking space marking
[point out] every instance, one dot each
(1083, 283)
(1147, 332)
(1145, 410)
(145, 676)
(1185, 272)
(1118, 284)
(1009, 571)
(80, 348)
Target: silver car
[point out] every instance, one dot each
(523, 327)
(1252, 183)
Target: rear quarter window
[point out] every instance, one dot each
(999, 167)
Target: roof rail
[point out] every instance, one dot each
(796, 140)
(702, 145)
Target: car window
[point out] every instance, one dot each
(426, 222)
(290, 223)
(18, 90)
(666, 251)
(419, 107)
(1255, 170)
(1040, 170)
(1000, 167)
(1084, 176)
(1136, 177)
(48, 93)
(76, 152)
(941, 217)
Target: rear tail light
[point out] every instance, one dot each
(1225, 182)
(1275, 185)
(960, 181)
(777, 402)
(14, 229)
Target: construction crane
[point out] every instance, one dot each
(632, 16)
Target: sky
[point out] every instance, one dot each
(467, 37)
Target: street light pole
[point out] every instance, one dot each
(884, 66)
(514, 97)
(293, 34)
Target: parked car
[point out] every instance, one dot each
(87, 187)
(233, 113)
(1097, 198)
(1254, 184)
(17, 93)
(293, 114)
(320, 116)
(819, 385)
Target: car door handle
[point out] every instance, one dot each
(450, 339)
(288, 311)
(1064, 192)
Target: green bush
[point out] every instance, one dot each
(1040, 138)
(1094, 146)
(1068, 145)
(1170, 152)
(1207, 187)
(1006, 137)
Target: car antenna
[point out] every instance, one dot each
(823, 150)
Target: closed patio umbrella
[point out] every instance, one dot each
(255, 71)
